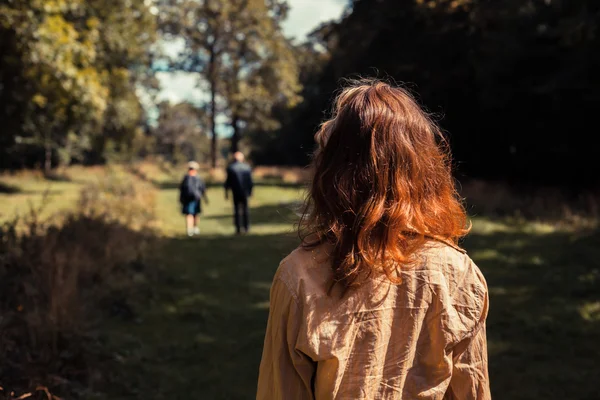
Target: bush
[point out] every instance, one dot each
(57, 279)
(120, 198)
(545, 204)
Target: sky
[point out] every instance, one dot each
(304, 16)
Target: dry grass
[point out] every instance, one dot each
(283, 174)
(120, 198)
(183, 339)
(157, 172)
(55, 278)
(559, 207)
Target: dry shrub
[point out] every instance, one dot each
(283, 174)
(155, 170)
(215, 175)
(58, 175)
(120, 198)
(292, 175)
(9, 188)
(548, 204)
(56, 281)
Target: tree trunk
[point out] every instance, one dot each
(235, 138)
(47, 156)
(212, 68)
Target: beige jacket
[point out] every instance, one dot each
(422, 339)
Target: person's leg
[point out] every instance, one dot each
(196, 228)
(197, 211)
(236, 215)
(245, 212)
(189, 219)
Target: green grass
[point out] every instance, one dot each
(199, 333)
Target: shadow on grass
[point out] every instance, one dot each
(544, 320)
(7, 188)
(56, 282)
(219, 185)
(15, 190)
(269, 183)
(169, 185)
(206, 323)
(55, 176)
(284, 213)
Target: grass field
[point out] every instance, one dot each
(199, 333)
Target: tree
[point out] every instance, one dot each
(236, 46)
(68, 67)
(286, 142)
(261, 71)
(62, 91)
(181, 132)
(512, 82)
(124, 54)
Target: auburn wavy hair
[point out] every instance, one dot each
(382, 184)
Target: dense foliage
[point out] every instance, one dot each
(68, 73)
(61, 277)
(513, 82)
(239, 52)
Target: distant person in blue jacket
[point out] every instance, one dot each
(191, 190)
(239, 181)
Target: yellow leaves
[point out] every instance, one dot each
(55, 29)
(450, 4)
(58, 6)
(460, 3)
(73, 56)
(40, 100)
(121, 74)
(62, 59)
(92, 23)
(590, 311)
(93, 91)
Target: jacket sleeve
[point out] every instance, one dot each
(227, 184)
(285, 373)
(201, 188)
(249, 182)
(470, 372)
(470, 380)
(181, 190)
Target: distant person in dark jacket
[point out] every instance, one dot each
(191, 190)
(239, 181)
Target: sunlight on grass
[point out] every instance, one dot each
(497, 347)
(486, 254)
(203, 338)
(261, 285)
(486, 226)
(36, 192)
(197, 299)
(205, 314)
(590, 311)
(263, 305)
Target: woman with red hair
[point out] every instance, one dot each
(379, 301)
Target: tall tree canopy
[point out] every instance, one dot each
(513, 82)
(181, 133)
(68, 74)
(237, 48)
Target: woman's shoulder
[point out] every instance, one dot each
(305, 269)
(453, 269)
(445, 254)
(449, 265)
(307, 272)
